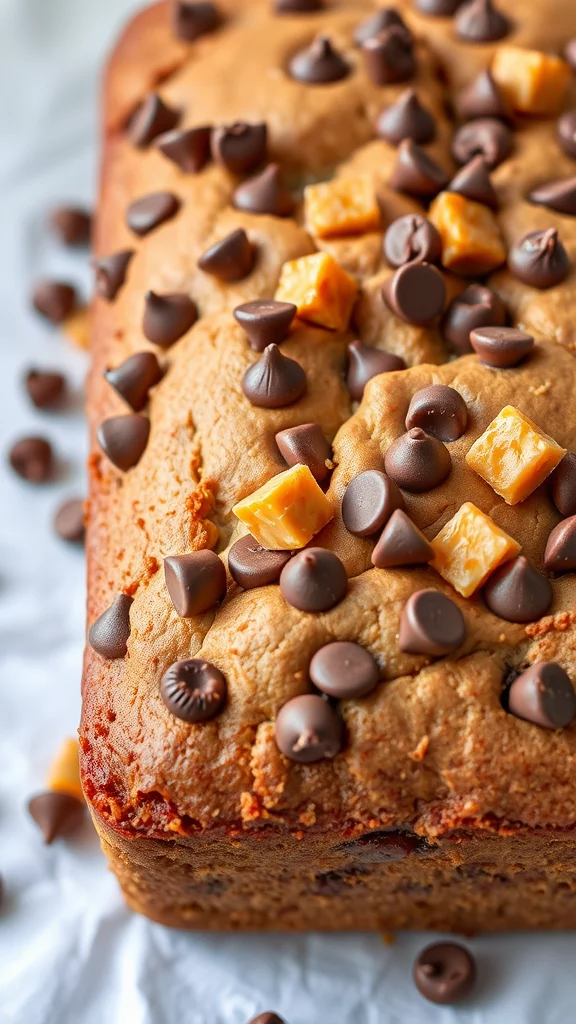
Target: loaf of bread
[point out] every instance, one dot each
(330, 675)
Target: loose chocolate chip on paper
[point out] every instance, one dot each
(416, 293)
(344, 670)
(556, 195)
(563, 485)
(265, 193)
(445, 973)
(152, 118)
(539, 259)
(252, 566)
(230, 259)
(319, 64)
(407, 118)
(32, 459)
(265, 321)
(191, 20)
(566, 131)
(477, 306)
(123, 439)
(482, 98)
(195, 581)
(389, 56)
(501, 347)
(268, 1017)
(110, 633)
(72, 225)
(189, 149)
(417, 462)
(274, 381)
(517, 592)
(305, 445)
(133, 378)
(69, 521)
(440, 411)
(308, 729)
(56, 814)
(369, 500)
(479, 21)
(167, 317)
(194, 690)
(314, 580)
(431, 624)
(416, 173)
(412, 239)
(543, 695)
(147, 213)
(401, 543)
(111, 273)
(473, 182)
(54, 300)
(487, 137)
(560, 553)
(438, 8)
(365, 362)
(240, 147)
(45, 388)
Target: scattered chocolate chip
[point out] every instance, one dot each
(477, 306)
(195, 581)
(473, 182)
(416, 173)
(308, 729)
(45, 388)
(539, 259)
(152, 118)
(274, 380)
(389, 56)
(192, 20)
(365, 362)
(111, 273)
(110, 633)
(406, 119)
(401, 543)
(32, 459)
(543, 695)
(167, 318)
(305, 445)
(556, 195)
(69, 521)
(133, 378)
(147, 213)
(252, 566)
(264, 193)
(438, 8)
(72, 225)
(344, 670)
(566, 131)
(123, 439)
(517, 592)
(412, 239)
(189, 149)
(482, 98)
(265, 321)
(54, 300)
(314, 580)
(479, 21)
(563, 485)
(369, 500)
(417, 462)
(569, 53)
(416, 293)
(431, 623)
(56, 814)
(501, 346)
(560, 553)
(319, 63)
(268, 1017)
(240, 147)
(295, 7)
(440, 411)
(230, 259)
(445, 973)
(194, 690)
(485, 137)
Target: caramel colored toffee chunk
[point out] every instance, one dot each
(287, 512)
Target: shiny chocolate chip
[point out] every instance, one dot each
(265, 321)
(133, 378)
(274, 381)
(543, 695)
(152, 118)
(517, 592)
(416, 293)
(369, 500)
(416, 173)
(72, 225)
(501, 347)
(147, 213)
(539, 259)
(109, 634)
(473, 182)
(318, 64)
(560, 552)
(480, 21)
(252, 566)
(563, 485)
(230, 259)
(558, 195)
(487, 137)
(195, 581)
(306, 445)
(194, 690)
(383, 846)
(407, 118)
(308, 729)
(54, 300)
(566, 132)
(384, 18)
(344, 670)
(265, 193)
(32, 459)
(240, 147)
(189, 149)
(111, 273)
(440, 411)
(417, 462)
(477, 306)
(389, 56)
(167, 317)
(191, 20)
(412, 239)
(123, 439)
(445, 973)
(314, 580)
(45, 388)
(365, 362)
(401, 543)
(431, 624)
(483, 98)
(69, 521)
(56, 814)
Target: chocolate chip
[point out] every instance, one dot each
(384, 18)
(32, 458)
(501, 346)
(569, 53)
(566, 131)
(167, 318)
(296, 7)
(517, 592)
(432, 624)
(416, 293)
(72, 225)
(305, 445)
(252, 566)
(445, 973)
(438, 8)
(417, 462)
(123, 439)
(344, 670)
(319, 63)
(539, 259)
(365, 362)
(563, 485)
(314, 580)
(440, 411)
(406, 119)
(110, 633)
(556, 195)
(485, 137)
(274, 380)
(560, 553)
(267, 1017)
(44, 388)
(308, 729)
(416, 173)
(56, 814)
(192, 20)
(479, 21)
(369, 500)
(389, 56)
(194, 690)
(264, 193)
(147, 213)
(383, 846)
(54, 300)
(69, 521)
(240, 147)
(482, 98)
(152, 118)
(265, 321)
(543, 695)
(133, 378)
(473, 182)
(195, 581)
(111, 273)
(477, 306)
(412, 239)
(189, 149)
(401, 543)
(230, 259)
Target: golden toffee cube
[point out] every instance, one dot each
(471, 239)
(320, 288)
(344, 206)
(285, 513)
(532, 82)
(64, 775)
(469, 548)
(513, 455)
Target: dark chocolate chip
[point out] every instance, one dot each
(194, 690)
(344, 670)
(517, 592)
(501, 346)
(314, 580)
(72, 225)
(416, 293)
(189, 149)
(69, 521)
(543, 695)
(440, 411)
(240, 147)
(401, 543)
(479, 21)
(111, 273)
(487, 137)
(384, 18)
(252, 566)
(319, 63)
(45, 388)
(230, 259)
(167, 318)
(195, 581)
(560, 553)
(32, 458)
(268, 1017)
(365, 362)
(416, 173)
(539, 259)
(274, 380)
(412, 239)
(147, 213)
(557, 195)
(473, 182)
(563, 485)
(110, 633)
(296, 7)
(482, 98)
(265, 321)
(432, 624)
(56, 814)
(477, 306)
(123, 439)
(54, 300)
(369, 500)
(417, 462)
(438, 8)
(309, 729)
(134, 377)
(389, 56)
(152, 118)
(566, 131)
(406, 119)
(445, 973)
(192, 20)
(264, 193)
(305, 445)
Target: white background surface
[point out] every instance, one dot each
(69, 951)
